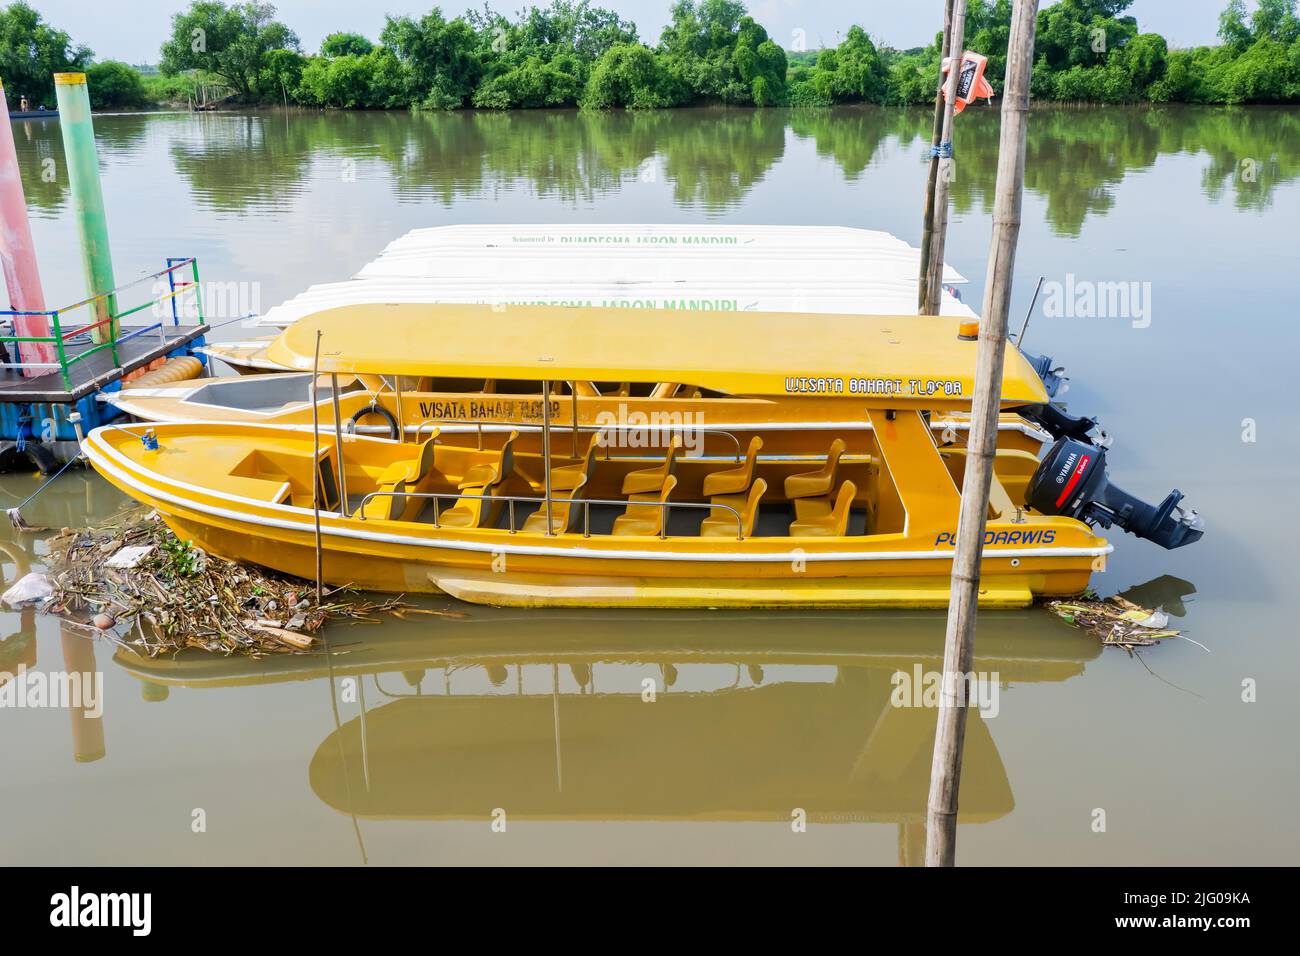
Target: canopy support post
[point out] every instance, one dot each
(546, 451)
(338, 444)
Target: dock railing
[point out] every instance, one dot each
(176, 288)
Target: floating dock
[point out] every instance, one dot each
(37, 411)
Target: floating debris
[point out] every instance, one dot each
(133, 570)
(1116, 621)
(31, 588)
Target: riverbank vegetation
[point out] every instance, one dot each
(573, 53)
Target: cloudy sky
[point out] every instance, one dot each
(132, 30)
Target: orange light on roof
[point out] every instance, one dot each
(968, 331)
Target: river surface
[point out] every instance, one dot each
(525, 737)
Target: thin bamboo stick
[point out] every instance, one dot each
(939, 233)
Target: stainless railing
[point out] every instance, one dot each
(419, 430)
(510, 500)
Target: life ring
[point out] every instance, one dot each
(374, 408)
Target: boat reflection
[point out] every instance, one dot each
(672, 716)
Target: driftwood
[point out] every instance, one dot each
(1115, 621)
(174, 596)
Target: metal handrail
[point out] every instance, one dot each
(419, 430)
(360, 512)
(115, 336)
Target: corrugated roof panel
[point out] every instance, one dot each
(820, 269)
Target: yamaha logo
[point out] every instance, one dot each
(1066, 468)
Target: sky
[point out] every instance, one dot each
(132, 30)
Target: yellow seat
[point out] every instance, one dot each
(644, 518)
(494, 470)
(734, 480)
(832, 525)
(569, 477)
(564, 513)
(812, 484)
(568, 485)
(397, 479)
(412, 470)
(648, 480)
(484, 480)
(722, 523)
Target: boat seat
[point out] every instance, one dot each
(832, 525)
(398, 478)
(813, 484)
(722, 524)
(483, 479)
(737, 480)
(493, 471)
(642, 517)
(648, 480)
(564, 512)
(569, 477)
(412, 470)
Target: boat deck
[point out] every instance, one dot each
(95, 372)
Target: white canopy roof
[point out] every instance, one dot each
(825, 269)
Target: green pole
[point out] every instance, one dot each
(87, 198)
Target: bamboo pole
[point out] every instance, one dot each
(933, 280)
(87, 197)
(959, 643)
(315, 468)
(927, 223)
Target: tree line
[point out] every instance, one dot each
(572, 53)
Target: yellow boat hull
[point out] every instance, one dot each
(183, 480)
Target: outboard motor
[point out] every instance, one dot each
(1071, 481)
(1055, 382)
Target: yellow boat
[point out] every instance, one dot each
(800, 420)
(593, 523)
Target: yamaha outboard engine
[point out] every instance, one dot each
(1071, 481)
(1053, 379)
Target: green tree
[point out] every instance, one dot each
(31, 51)
(441, 56)
(632, 76)
(545, 57)
(231, 42)
(853, 72)
(1233, 29)
(114, 84)
(281, 74)
(719, 53)
(345, 44)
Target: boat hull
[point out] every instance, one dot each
(563, 580)
(487, 566)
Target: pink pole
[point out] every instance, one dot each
(18, 253)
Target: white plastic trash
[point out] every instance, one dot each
(29, 589)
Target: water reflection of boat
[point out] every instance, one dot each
(547, 716)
